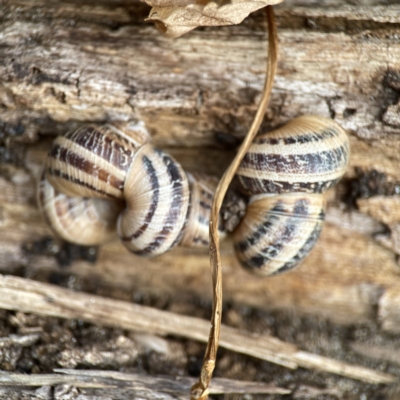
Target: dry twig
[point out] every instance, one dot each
(199, 390)
(112, 379)
(35, 297)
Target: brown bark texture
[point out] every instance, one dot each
(65, 63)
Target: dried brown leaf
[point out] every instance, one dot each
(176, 17)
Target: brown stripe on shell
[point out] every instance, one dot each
(299, 164)
(271, 218)
(83, 164)
(85, 221)
(202, 189)
(290, 229)
(152, 206)
(276, 230)
(169, 216)
(260, 186)
(315, 136)
(177, 177)
(91, 189)
(308, 154)
(303, 252)
(105, 143)
(97, 156)
(188, 213)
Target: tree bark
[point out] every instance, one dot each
(66, 63)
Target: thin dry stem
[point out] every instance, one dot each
(200, 389)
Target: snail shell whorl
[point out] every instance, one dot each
(80, 220)
(309, 154)
(202, 189)
(286, 171)
(278, 231)
(92, 161)
(96, 169)
(157, 196)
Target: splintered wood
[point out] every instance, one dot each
(151, 385)
(39, 298)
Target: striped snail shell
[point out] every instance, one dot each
(95, 172)
(156, 191)
(286, 171)
(278, 231)
(93, 161)
(174, 206)
(86, 220)
(202, 189)
(80, 192)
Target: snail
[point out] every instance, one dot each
(286, 173)
(101, 179)
(87, 221)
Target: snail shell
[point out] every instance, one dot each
(156, 191)
(308, 154)
(286, 171)
(202, 189)
(81, 220)
(92, 161)
(279, 231)
(81, 188)
(106, 168)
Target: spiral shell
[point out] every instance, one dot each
(286, 171)
(94, 173)
(157, 196)
(308, 154)
(279, 231)
(202, 189)
(81, 220)
(93, 161)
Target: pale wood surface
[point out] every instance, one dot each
(64, 63)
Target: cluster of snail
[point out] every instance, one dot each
(100, 179)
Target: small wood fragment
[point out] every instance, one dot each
(388, 310)
(112, 379)
(383, 353)
(20, 340)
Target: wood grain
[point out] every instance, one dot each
(49, 300)
(151, 385)
(64, 63)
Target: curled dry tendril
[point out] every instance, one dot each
(199, 390)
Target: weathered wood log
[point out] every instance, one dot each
(63, 64)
